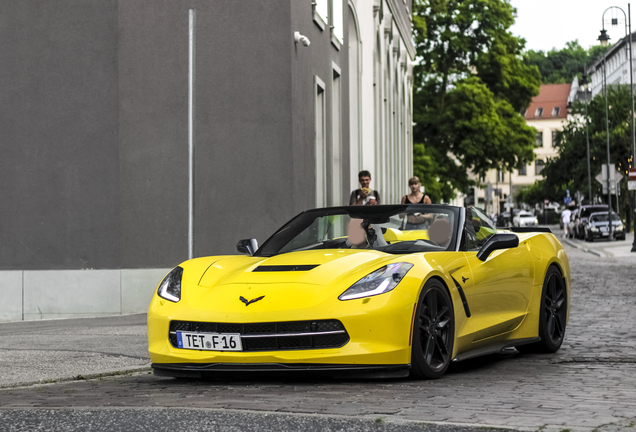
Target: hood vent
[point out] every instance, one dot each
(284, 268)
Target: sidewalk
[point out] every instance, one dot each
(68, 349)
(602, 248)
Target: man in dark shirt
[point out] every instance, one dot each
(364, 195)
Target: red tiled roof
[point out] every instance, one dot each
(549, 97)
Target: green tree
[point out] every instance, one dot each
(561, 66)
(469, 86)
(568, 171)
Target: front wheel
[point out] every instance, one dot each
(433, 332)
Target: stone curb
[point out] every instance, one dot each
(372, 418)
(584, 249)
(79, 377)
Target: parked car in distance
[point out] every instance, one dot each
(525, 219)
(598, 227)
(583, 215)
(506, 218)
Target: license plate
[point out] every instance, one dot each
(210, 341)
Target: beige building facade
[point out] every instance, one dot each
(547, 114)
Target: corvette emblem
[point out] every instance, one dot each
(464, 279)
(249, 302)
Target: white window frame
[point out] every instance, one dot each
(320, 94)
(336, 136)
(321, 13)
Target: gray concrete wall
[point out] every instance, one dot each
(153, 77)
(93, 129)
(59, 159)
(243, 139)
(52, 294)
(244, 162)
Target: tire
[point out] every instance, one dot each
(552, 315)
(433, 332)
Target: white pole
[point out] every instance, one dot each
(191, 43)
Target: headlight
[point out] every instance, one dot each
(619, 227)
(593, 229)
(380, 281)
(536, 221)
(170, 286)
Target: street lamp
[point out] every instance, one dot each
(603, 38)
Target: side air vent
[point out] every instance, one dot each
(284, 268)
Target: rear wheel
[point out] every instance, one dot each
(433, 332)
(552, 315)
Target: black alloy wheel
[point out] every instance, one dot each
(433, 332)
(553, 314)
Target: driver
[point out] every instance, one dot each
(361, 237)
(357, 236)
(440, 232)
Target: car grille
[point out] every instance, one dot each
(276, 336)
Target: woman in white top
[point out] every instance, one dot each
(565, 217)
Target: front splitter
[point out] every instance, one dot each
(215, 370)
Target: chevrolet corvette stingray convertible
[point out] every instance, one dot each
(386, 291)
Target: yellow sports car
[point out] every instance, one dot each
(385, 291)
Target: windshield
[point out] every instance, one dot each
(394, 229)
(525, 214)
(586, 211)
(602, 217)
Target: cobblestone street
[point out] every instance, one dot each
(590, 384)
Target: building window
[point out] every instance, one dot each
(336, 138)
(500, 176)
(538, 112)
(523, 171)
(321, 12)
(538, 166)
(556, 111)
(554, 138)
(539, 139)
(321, 150)
(337, 20)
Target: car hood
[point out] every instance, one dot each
(598, 224)
(316, 267)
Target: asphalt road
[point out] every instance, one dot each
(590, 384)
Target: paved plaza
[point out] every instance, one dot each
(590, 384)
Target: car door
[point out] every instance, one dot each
(500, 292)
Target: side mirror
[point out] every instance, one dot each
(247, 246)
(496, 242)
